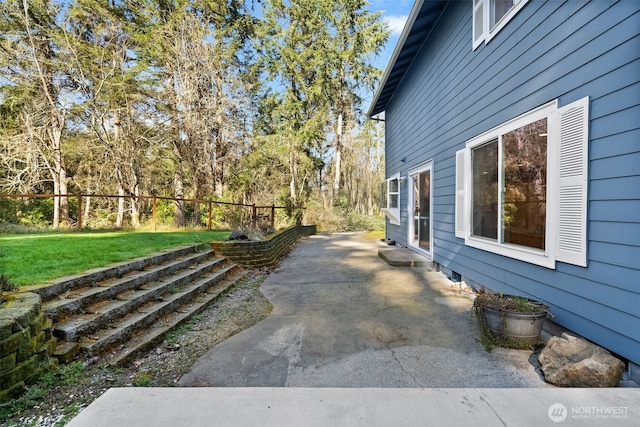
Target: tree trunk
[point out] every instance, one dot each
(178, 193)
(136, 202)
(196, 206)
(135, 207)
(292, 182)
(64, 201)
(56, 201)
(87, 210)
(59, 175)
(220, 149)
(338, 159)
(120, 217)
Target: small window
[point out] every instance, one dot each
(390, 199)
(490, 16)
(393, 193)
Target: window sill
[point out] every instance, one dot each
(521, 253)
(393, 215)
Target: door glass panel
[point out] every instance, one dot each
(416, 209)
(425, 210)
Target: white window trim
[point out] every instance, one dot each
(487, 33)
(461, 225)
(565, 241)
(392, 213)
(544, 257)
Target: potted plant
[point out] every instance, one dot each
(509, 320)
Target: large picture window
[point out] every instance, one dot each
(521, 187)
(516, 162)
(524, 200)
(485, 190)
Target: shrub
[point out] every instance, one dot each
(6, 287)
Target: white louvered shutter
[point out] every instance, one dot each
(572, 182)
(460, 196)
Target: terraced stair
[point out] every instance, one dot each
(122, 310)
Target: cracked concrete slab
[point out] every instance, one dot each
(343, 317)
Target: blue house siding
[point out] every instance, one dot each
(549, 50)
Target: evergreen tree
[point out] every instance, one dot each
(317, 54)
(100, 39)
(295, 41)
(357, 35)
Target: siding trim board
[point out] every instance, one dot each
(549, 50)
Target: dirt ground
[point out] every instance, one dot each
(58, 396)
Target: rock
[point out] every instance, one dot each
(238, 235)
(569, 361)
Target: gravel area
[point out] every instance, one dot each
(62, 393)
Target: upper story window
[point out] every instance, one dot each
(521, 188)
(490, 16)
(498, 9)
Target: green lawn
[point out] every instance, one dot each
(30, 259)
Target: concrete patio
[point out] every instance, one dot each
(355, 341)
(343, 317)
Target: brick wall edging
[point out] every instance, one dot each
(26, 343)
(265, 252)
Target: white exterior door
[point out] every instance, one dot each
(420, 209)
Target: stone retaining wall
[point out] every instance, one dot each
(262, 253)
(26, 343)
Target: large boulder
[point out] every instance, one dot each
(568, 361)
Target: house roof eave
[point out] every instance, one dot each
(420, 23)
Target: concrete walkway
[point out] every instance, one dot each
(354, 341)
(362, 407)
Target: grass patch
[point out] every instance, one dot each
(29, 259)
(376, 234)
(142, 379)
(69, 375)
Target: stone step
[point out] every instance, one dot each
(100, 314)
(91, 277)
(122, 329)
(150, 337)
(74, 301)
